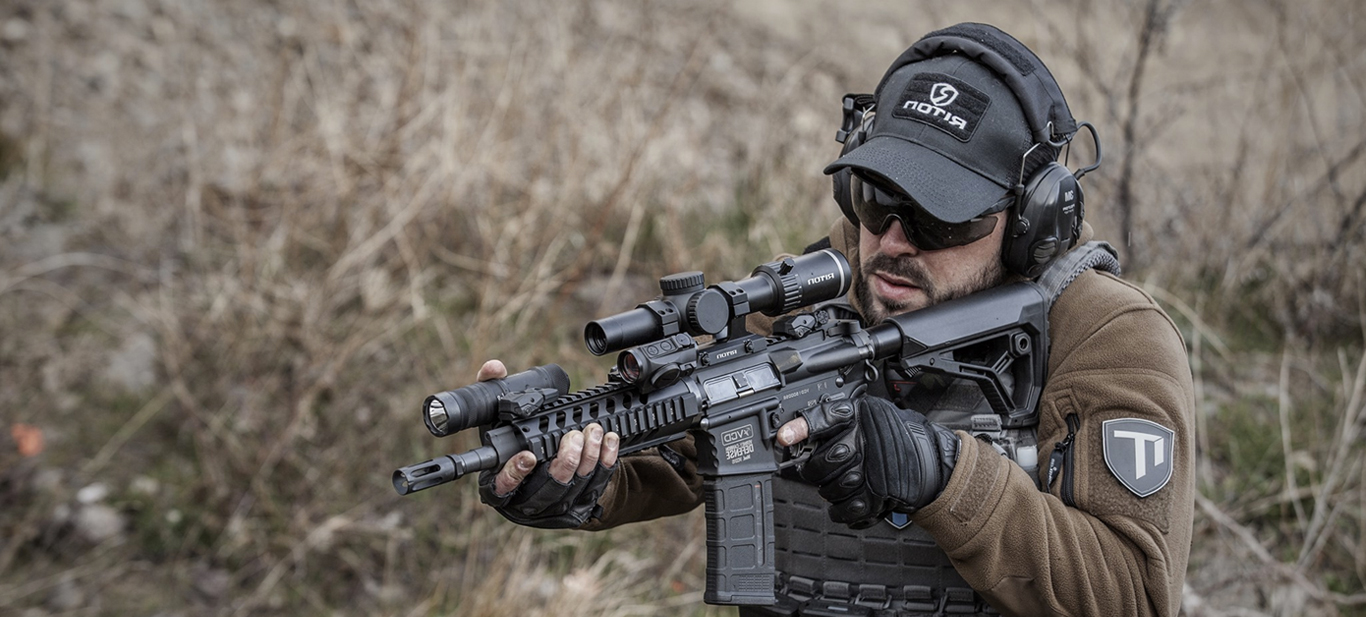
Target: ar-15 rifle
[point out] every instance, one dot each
(734, 392)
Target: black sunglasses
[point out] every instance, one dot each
(876, 206)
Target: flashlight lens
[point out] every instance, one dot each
(437, 419)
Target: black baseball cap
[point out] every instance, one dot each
(949, 133)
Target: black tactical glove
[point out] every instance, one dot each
(542, 501)
(887, 460)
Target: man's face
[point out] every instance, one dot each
(898, 277)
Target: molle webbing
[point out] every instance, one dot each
(879, 568)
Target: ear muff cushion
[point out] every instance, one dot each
(840, 181)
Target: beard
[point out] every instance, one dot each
(875, 309)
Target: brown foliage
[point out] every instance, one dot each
(239, 242)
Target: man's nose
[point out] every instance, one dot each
(893, 240)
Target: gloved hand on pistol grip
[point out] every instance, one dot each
(888, 460)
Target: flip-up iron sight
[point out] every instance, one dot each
(665, 326)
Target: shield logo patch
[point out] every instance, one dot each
(1139, 453)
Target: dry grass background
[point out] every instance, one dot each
(240, 241)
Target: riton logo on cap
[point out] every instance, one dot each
(942, 94)
(944, 102)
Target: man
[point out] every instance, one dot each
(949, 186)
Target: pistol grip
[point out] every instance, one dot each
(740, 567)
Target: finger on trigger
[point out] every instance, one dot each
(566, 463)
(592, 449)
(793, 433)
(512, 473)
(493, 369)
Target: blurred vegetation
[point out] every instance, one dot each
(240, 242)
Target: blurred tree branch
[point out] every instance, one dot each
(1157, 19)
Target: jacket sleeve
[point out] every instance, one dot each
(651, 484)
(1086, 546)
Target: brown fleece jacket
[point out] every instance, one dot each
(1114, 354)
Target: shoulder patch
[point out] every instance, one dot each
(1139, 453)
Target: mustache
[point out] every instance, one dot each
(910, 271)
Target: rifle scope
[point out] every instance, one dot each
(447, 413)
(688, 306)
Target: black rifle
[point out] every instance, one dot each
(734, 392)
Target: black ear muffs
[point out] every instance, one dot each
(1046, 219)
